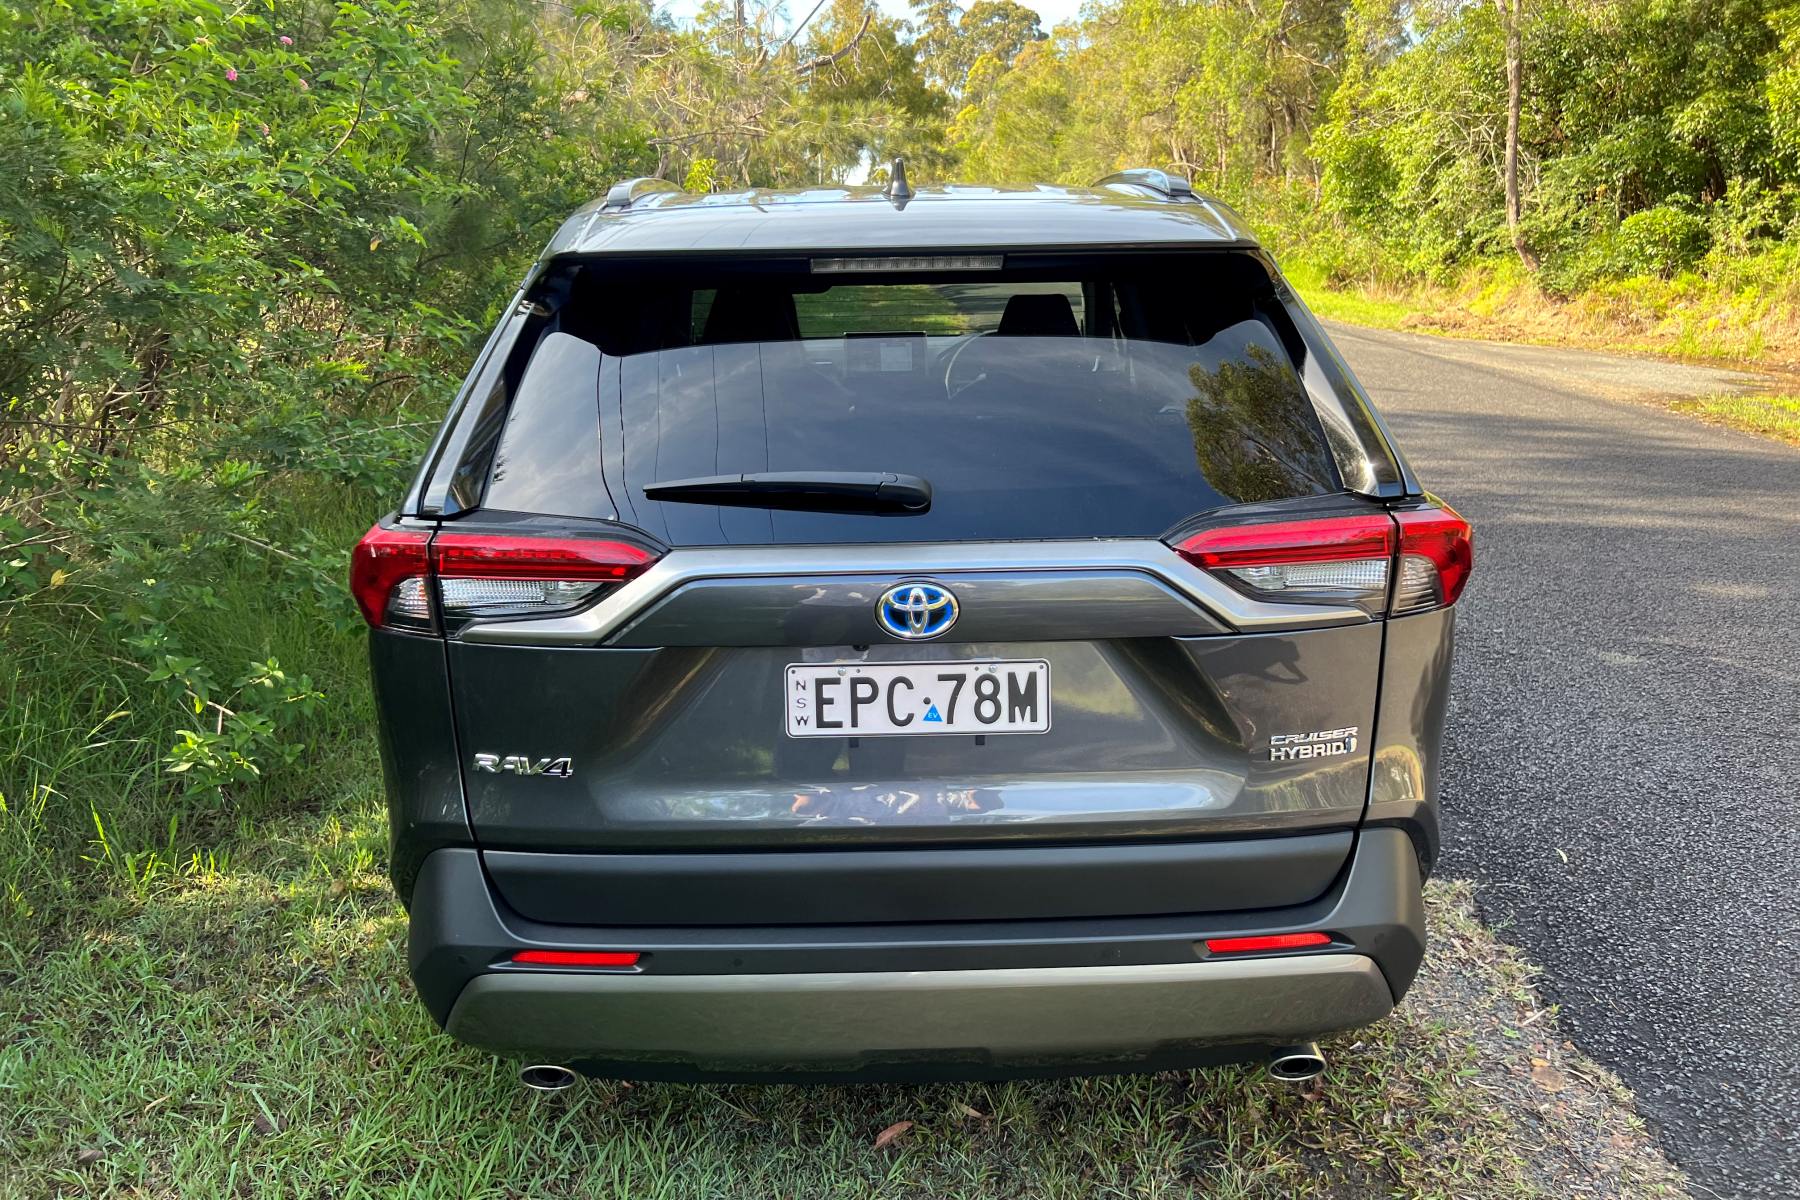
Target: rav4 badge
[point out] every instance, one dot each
(518, 764)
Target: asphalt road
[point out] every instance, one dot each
(1622, 775)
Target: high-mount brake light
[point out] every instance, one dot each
(477, 575)
(1266, 942)
(907, 262)
(1343, 560)
(577, 958)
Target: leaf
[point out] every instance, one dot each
(1547, 1076)
(891, 1134)
(58, 577)
(974, 1114)
(88, 1158)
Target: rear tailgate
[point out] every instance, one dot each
(668, 715)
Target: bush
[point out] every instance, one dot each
(1661, 241)
(243, 260)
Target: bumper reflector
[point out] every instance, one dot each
(577, 958)
(1272, 941)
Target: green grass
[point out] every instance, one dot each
(1772, 415)
(85, 806)
(1354, 307)
(858, 308)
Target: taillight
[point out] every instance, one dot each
(1318, 560)
(405, 579)
(1436, 555)
(481, 576)
(387, 571)
(1343, 560)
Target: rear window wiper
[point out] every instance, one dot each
(814, 491)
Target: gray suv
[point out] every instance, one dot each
(964, 632)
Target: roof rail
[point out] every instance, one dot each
(1170, 187)
(624, 194)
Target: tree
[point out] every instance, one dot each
(862, 96)
(952, 39)
(1510, 18)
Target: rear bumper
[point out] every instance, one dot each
(951, 1000)
(1018, 1017)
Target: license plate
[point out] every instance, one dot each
(885, 699)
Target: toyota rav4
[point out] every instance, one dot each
(860, 633)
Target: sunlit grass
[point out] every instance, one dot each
(1773, 415)
(1355, 306)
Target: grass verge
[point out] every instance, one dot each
(1687, 317)
(248, 1031)
(1773, 415)
(1673, 319)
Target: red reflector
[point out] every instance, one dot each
(476, 556)
(577, 958)
(1316, 539)
(1271, 941)
(383, 558)
(1441, 535)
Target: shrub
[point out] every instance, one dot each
(1661, 241)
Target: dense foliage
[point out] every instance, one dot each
(1373, 133)
(246, 250)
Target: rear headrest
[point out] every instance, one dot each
(1034, 315)
(751, 315)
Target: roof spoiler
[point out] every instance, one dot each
(1169, 187)
(621, 196)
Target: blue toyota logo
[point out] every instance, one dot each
(916, 611)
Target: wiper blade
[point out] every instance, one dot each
(813, 491)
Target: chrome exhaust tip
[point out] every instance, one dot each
(1297, 1064)
(547, 1077)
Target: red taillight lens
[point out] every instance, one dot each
(1436, 555)
(1344, 560)
(384, 560)
(1314, 560)
(577, 958)
(471, 555)
(393, 570)
(1272, 941)
(1318, 539)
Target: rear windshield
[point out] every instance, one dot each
(1036, 404)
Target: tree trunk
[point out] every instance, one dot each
(1515, 71)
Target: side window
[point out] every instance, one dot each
(549, 456)
(699, 309)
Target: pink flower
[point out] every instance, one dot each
(230, 74)
(265, 128)
(304, 86)
(286, 40)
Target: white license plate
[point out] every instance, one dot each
(882, 699)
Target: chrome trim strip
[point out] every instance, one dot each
(595, 625)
